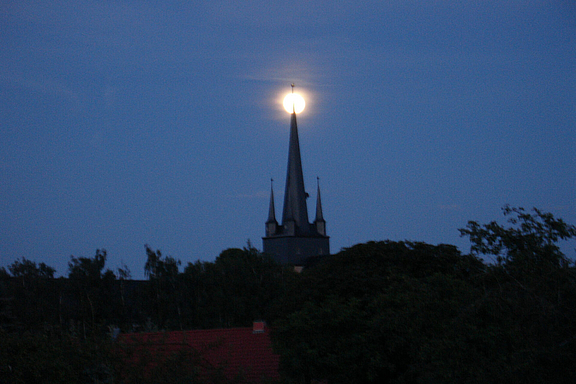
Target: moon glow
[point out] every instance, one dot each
(293, 102)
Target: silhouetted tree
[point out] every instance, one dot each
(376, 312)
(162, 273)
(93, 288)
(29, 269)
(530, 291)
(240, 286)
(46, 357)
(29, 295)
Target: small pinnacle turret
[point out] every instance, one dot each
(271, 223)
(319, 220)
(319, 215)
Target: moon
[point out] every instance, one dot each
(293, 102)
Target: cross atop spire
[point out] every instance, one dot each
(293, 104)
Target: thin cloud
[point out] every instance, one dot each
(450, 207)
(45, 85)
(262, 194)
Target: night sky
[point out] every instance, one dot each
(139, 122)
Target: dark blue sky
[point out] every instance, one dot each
(160, 123)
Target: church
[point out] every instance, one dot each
(295, 240)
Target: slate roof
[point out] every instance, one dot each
(238, 351)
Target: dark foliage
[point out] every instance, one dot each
(416, 313)
(376, 312)
(48, 357)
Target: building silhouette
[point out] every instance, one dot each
(296, 240)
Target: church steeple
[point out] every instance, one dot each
(296, 240)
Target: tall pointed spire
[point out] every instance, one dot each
(295, 209)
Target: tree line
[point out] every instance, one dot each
(235, 289)
(378, 312)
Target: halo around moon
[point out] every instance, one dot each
(293, 102)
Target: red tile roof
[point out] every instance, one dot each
(238, 351)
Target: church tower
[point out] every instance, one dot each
(296, 239)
